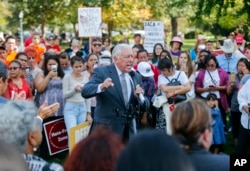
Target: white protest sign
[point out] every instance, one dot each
(154, 33)
(90, 22)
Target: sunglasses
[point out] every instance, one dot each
(13, 68)
(99, 45)
(31, 58)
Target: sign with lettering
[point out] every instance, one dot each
(154, 33)
(56, 136)
(77, 133)
(90, 22)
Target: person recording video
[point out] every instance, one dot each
(118, 92)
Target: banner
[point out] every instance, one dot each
(77, 133)
(56, 136)
(90, 22)
(154, 33)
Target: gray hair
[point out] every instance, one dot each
(119, 48)
(17, 120)
(11, 159)
(75, 42)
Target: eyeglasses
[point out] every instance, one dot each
(212, 65)
(13, 68)
(31, 58)
(95, 45)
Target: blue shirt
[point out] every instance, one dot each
(229, 64)
(3, 100)
(193, 54)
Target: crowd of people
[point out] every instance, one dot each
(189, 99)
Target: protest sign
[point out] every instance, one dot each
(154, 33)
(90, 22)
(56, 136)
(77, 133)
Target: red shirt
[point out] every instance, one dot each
(28, 41)
(55, 47)
(13, 88)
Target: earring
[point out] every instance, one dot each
(34, 149)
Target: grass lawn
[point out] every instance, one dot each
(188, 44)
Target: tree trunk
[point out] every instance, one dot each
(110, 28)
(42, 27)
(174, 24)
(75, 30)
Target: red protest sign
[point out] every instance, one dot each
(56, 136)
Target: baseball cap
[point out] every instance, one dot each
(105, 54)
(239, 38)
(144, 69)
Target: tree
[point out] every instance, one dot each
(172, 9)
(223, 14)
(4, 14)
(36, 12)
(120, 14)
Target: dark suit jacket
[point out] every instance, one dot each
(110, 103)
(204, 161)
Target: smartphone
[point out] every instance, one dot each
(211, 86)
(27, 69)
(54, 68)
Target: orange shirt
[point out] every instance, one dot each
(39, 51)
(10, 57)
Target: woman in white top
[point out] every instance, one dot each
(167, 75)
(244, 132)
(77, 109)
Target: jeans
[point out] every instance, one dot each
(74, 114)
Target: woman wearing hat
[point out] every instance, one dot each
(175, 51)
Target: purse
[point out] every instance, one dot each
(179, 97)
(160, 100)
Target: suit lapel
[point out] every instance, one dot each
(116, 80)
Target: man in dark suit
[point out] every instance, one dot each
(116, 100)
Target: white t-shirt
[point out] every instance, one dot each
(208, 81)
(182, 78)
(191, 93)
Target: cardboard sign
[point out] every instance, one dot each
(154, 33)
(56, 136)
(77, 133)
(90, 22)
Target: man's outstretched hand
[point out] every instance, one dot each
(46, 111)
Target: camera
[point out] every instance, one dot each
(54, 68)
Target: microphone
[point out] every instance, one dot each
(141, 97)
